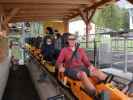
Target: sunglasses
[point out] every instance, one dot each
(71, 39)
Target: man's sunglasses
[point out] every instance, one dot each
(71, 39)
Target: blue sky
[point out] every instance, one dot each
(124, 4)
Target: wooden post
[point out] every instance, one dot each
(3, 42)
(66, 26)
(1, 10)
(2, 13)
(3, 32)
(86, 16)
(87, 34)
(1, 16)
(8, 18)
(0, 23)
(131, 1)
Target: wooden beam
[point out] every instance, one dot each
(12, 14)
(43, 12)
(131, 1)
(4, 27)
(36, 15)
(39, 6)
(94, 6)
(36, 18)
(41, 16)
(32, 16)
(66, 27)
(84, 15)
(92, 12)
(33, 19)
(1, 16)
(1, 10)
(47, 1)
(8, 18)
(26, 20)
(47, 10)
(97, 4)
(67, 13)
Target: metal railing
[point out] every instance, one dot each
(120, 49)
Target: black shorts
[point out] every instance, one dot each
(72, 72)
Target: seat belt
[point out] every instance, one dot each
(74, 52)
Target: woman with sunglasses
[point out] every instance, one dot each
(78, 66)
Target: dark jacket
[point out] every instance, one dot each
(48, 52)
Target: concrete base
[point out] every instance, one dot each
(119, 73)
(4, 72)
(45, 88)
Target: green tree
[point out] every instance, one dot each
(112, 17)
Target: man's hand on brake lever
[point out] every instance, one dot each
(62, 69)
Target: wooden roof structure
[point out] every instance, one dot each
(131, 1)
(38, 10)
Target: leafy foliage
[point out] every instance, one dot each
(112, 17)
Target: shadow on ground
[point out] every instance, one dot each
(20, 85)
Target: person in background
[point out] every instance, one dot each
(56, 32)
(48, 50)
(64, 39)
(10, 49)
(49, 31)
(58, 40)
(14, 54)
(38, 42)
(78, 66)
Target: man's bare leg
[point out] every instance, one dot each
(87, 83)
(99, 74)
